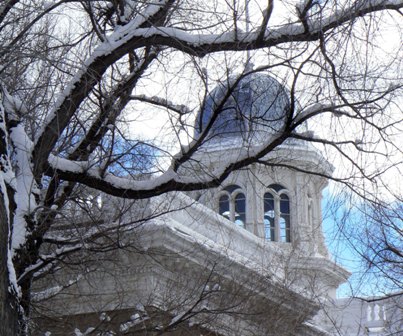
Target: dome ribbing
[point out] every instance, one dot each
(256, 106)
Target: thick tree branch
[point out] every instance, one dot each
(84, 82)
(168, 181)
(5, 8)
(266, 17)
(132, 37)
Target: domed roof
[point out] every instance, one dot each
(251, 109)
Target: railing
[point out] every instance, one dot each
(376, 312)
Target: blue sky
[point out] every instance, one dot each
(339, 220)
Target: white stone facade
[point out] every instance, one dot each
(369, 316)
(273, 263)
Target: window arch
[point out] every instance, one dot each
(232, 204)
(277, 224)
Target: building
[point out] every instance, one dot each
(247, 258)
(370, 316)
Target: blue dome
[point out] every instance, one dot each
(256, 107)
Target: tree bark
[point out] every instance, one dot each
(8, 305)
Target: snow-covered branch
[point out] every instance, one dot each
(53, 291)
(47, 260)
(85, 79)
(170, 180)
(72, 125)
(180, 109)
(132, 36)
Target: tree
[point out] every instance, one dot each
(75, 74)
(371, 231)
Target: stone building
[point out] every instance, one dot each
(247, 258)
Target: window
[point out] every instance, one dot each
(269, 216)
(277, 225)
(232, 204)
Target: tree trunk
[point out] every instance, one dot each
(8, 305)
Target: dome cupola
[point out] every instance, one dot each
(247, 109)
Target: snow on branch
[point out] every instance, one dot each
(53, 291)
(25, 183)
(319, 108)
(170, 180)
(202, 44)
(48, 259)
(142, 33)
(112, 49)
(20, 178)
(7, 183)
(180, 109)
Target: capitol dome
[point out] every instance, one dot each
(256, 108)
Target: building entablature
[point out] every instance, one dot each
(304, 157)
(218, 234)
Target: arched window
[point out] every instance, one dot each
(285, 228)
(277, 225)
(269, 217)
(232, 204)
(224, 206)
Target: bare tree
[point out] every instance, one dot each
(75, 75)
(371, 233)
